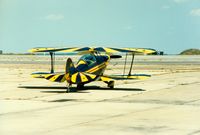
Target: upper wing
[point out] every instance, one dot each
(142, 50)
(44, 49)
(125, 50)
(72, 49)
(91, 49)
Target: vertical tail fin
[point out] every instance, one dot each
(70, 68)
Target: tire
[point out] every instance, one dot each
(112, 87)
(80, 86)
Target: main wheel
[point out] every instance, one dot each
(80, 86)
(112, 87)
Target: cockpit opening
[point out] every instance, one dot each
(89, 59)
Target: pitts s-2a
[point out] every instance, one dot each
(91, 66)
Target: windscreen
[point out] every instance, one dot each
(88, 58)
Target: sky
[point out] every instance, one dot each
(165, 25)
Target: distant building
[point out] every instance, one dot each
(161, 53)
(158, 53)
(1, 52)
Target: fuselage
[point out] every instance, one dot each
(94, 64)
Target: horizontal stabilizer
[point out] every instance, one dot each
(39, 74)
(127, 77)
(105, 79)
(55, 77)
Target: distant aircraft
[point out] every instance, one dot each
(90, 67)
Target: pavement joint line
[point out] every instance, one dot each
(105, 118)
(177, 103)
(114, 116)
(195, 132)
(38, 109)
(104, 100)
(52, 107)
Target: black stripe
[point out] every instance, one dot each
(54, 49)
(100, 49)
(59, 78)
(83, 49)
(49, 77)
(78, 78)
(88, 77)
(121, 50)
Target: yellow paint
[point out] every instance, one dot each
(92, 70)
(71, 50)
(83, 77)
(138, 77)
(63, 79)
(73, 78)
(40, 49)
(53, 78)
(91, 75)
(50, 49)
(106, 79)
(110, 50)
(91, 49)
(38, 76)
(140, 50)
(81, 62)
(67, 77)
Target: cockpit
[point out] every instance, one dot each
(89, 59)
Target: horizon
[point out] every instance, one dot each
(171, 26)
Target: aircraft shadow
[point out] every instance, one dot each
(52, 89)
(113, 89)
(74, 89)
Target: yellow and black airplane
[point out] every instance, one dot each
(91, 66)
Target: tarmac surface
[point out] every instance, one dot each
(168, 103)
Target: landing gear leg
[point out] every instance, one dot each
(110, 84)
(68, 88)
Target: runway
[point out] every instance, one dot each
(167, 103)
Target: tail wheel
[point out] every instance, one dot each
(68, 88)
(111, 84)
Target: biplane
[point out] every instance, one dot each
(91, 65)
